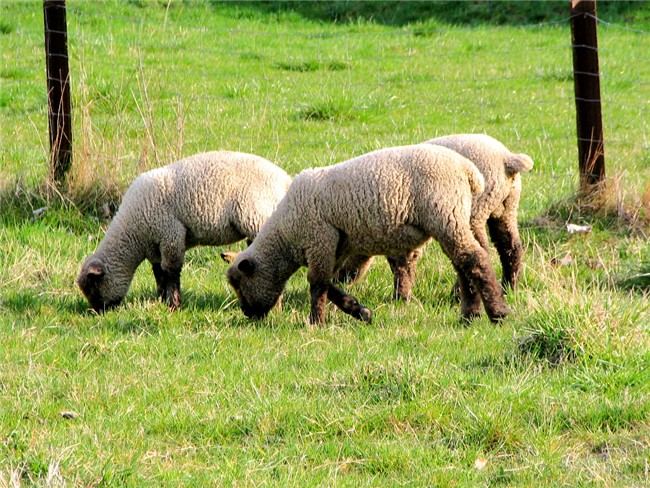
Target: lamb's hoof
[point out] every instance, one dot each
(173, 299)
(365, 314)
(402, 297)
(496, 315)
(470, 315)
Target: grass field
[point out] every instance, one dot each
(558, 395)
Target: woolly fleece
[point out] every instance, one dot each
(388, 202)
(211, 198)
(496, 207)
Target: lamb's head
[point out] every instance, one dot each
(258, 283)
(103, 288)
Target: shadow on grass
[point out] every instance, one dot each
(637, 281)
(208, 301)
(31, 302)
(399, 13)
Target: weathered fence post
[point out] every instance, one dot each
(58, 88)
(586, 79)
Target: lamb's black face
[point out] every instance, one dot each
(93, 283)
(256, 292)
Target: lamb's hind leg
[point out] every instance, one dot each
(470, 299)
(505, 236)
(172, 254)
(477, 223)
(474, 264)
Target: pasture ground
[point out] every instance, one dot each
(557, 395)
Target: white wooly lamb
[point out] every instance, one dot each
(496, 207)
(212, 198)
(388, 202)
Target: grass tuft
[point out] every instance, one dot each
(312, 65)
(343, 109)
(550, 336)
(329, 109)
(638, 280)
(554, 74)
(392, 383)
(6, 27)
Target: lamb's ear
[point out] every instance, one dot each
(518, 163)
(246, 266)
(95, 269)
(229, 256)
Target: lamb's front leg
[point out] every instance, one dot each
(321, 260)
(171, 293)
(172, 253)
(318, 292)
(348, 304)
(403, 268)
(159, 275)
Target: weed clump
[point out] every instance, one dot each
(551, 336)
(6, 28)
(312, 65)
(396, 382)
(329, 109)
(638, 280)
(342, 109)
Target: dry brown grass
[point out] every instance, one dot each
(609, 203)
(102, 167)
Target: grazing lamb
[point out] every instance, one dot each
(496, 206)
(388, 202)
(212, 198)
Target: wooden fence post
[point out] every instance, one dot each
(586, 79)
(58, 88)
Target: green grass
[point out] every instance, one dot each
(556, 396)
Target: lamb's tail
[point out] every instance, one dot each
(476, 180)
(518, 163)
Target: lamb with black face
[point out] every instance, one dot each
(257, 294)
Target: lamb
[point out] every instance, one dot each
(211, 198)
(496, 207)
(388, 202)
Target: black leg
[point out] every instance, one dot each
(510, 250)
(470, 300)
(159, 275)
(476, 268)
(352, 269)
(169, 285)
(348, 304)
(318, 292)
(403, 268)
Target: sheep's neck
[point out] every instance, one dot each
(283, 252)
(122, 250)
